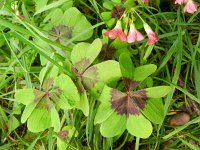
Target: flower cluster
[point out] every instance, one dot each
(133, 35)
(190, 5)
(145, 1)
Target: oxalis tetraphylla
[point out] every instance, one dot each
(131, 108)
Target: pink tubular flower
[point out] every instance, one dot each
(134, 35)
(116, 32)
(152, 37)
(145, 1)
(180, 2)
(190, 7)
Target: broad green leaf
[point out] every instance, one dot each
(69, 97)
(67, 5)
(154, 110)
(50, 6)
(108, 5)
(84, 54)
(105, 95)
(103, 112)
(143, 72)
(113, 126)
(110, 22)
(93, 50)
(119, 45)
(105, 72)
(25, 96)
(126, 65)
(27, 111)
(106, 15)
(53, 16)
(39, 4)
(81, 26)
(119, 51)
(62, 143)
(79, 57)
(48, 72)
(73, 18)
(128, 2)
(139, 126)
(72, 131)
(117, 1)
(16, 108)
(67, 133)
(55, 120)
(158, 91)
(13, 123)
(149, 82)
(40, 120)
(84, 103)
(138, 23)
(78, 27)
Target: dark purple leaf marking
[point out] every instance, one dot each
(117, 12)
(140, 98)
(92, 78)
(48, 95)
(63, 134)
(123, 1)
(45, 103)
(130, 84)
(38, 95)
(60, 32)
(55, 94)
(47, 84)
(107, 52)
(128, 103)
(81, 65)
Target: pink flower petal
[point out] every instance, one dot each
(180, 2)
(140, 37)
(152, 37)
(112, 34)
(132, 37)
(116, 32)
(121, 35)
(145, 1)
(190, 7)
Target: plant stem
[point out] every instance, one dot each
(137, 143)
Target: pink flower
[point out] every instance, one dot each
(145, 1)
(190, 7)
(152, 37)
(116, 32)
(134, 35)
(180, 2)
